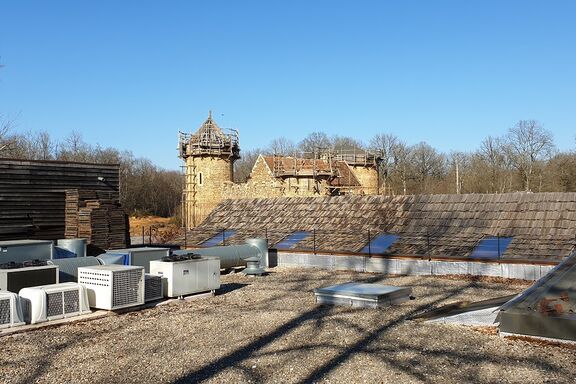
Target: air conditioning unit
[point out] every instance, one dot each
(10, 310)
(152, 288)
(141, 256)
(19, 251)
(14, 279)
(113, 286)
(188, 276)
(52, 302)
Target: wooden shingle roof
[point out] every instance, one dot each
(543, 225)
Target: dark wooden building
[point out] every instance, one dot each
(32, 194)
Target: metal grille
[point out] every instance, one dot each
(125, 286)
(54, 304)
(152, 288)
(5, 311)
(94, 278)
(71, 301)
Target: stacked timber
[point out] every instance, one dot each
(97, 217)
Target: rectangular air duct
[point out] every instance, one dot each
(52, 302)
(141, 256)
(185, 277)
(14, 279)
(10, 310)
(113, 286)
(152, 288)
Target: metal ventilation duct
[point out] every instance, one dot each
(77, 246)
(236, 255)
(69, 267)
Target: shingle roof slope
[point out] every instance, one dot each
(543, 225)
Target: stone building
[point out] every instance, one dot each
(210, 153)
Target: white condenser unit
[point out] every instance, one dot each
(152, 288)
(185, 277)
(52, 302)
(10, 311)
(113, 286)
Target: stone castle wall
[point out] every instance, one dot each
(209, 180)
(262, 183)
(368, 178)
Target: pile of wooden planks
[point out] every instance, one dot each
(96, 216)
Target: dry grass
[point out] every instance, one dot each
(163, 228)
(270, 330)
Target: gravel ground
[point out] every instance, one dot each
(269, 329)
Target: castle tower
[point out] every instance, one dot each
(209, 156)
(365, 167)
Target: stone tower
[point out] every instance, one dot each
(209, 156)
(365, 167)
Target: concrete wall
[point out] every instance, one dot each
(412, 266)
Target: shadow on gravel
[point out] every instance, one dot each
(420, 366)
(236, 357)
(229, 287)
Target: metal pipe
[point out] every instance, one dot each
(236, 255)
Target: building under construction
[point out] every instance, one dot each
(210, 153)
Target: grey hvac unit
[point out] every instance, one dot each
(19, 251)
(113, 286)
(52, 302)
(15, 279)
(69, 267)
(10, 311)
(142, 256)
(152, 288)
(185, 277)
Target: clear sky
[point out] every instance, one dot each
(130, 74)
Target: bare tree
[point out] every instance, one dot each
(529, 143)
(401, 165)
(493, 151)
(315, 142)
(281, 146)
(345, 143)
(5, 139)
(427, 163)
(243, 167)
(385, 145)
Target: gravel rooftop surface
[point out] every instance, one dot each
(269, 329)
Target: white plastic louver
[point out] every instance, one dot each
(113, 286)
(52, 302)
(152, 288)
(10, 311)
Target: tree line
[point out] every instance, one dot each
(144, 187)
(524, 159)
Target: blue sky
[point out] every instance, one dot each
(130, 74)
